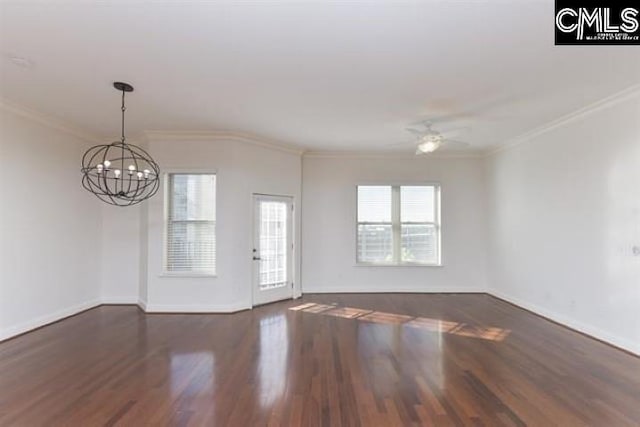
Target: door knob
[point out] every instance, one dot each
(256, 258)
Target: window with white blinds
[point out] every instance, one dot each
(191, 224)
(398, 224)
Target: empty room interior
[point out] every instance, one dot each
(336, 213)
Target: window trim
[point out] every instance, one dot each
(396, 223)
(165, 222)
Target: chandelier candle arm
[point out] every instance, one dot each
(106, 167)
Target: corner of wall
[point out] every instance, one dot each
(561, 182)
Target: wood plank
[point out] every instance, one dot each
(339, 360)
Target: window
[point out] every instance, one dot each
(398, 225)
(191, 224)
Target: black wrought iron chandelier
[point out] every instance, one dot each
(120, 174)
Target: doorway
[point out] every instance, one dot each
(272, 248)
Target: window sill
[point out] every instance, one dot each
(187, 275)
(404, 264)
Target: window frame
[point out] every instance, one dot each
(396, 225)
(166, 180)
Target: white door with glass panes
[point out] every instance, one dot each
(272, 249)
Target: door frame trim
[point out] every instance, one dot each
(294, 242)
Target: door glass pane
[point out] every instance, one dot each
(419, 243)
(273, 245)
(375, 243)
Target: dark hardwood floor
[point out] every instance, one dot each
(372, 360)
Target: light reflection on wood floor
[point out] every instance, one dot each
(433, 325)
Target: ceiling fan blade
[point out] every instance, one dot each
(453, 130)
(478, 110)
(399, 144)
(452, 144)
(416, 132)
(455, 142)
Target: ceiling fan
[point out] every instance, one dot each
(430, 140)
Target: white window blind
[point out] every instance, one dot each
(398, 224)
(375, 234)
(191, 224)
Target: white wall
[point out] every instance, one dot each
(143, 251)
(124, 251)
(242, 169)
(329, 224)
(121, 253)
(565, 214)
(49, 226)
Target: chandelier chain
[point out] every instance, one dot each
(122, 139)
(123, 110)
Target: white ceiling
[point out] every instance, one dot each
(324, 75)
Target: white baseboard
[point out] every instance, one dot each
(38, 322)
(193, 308)
(632, 347)
(120, 300)
(388, 290)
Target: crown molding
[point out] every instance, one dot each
(602, 104)
(223, 135)
(55, 123)
(47, 120)
(476, 154)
